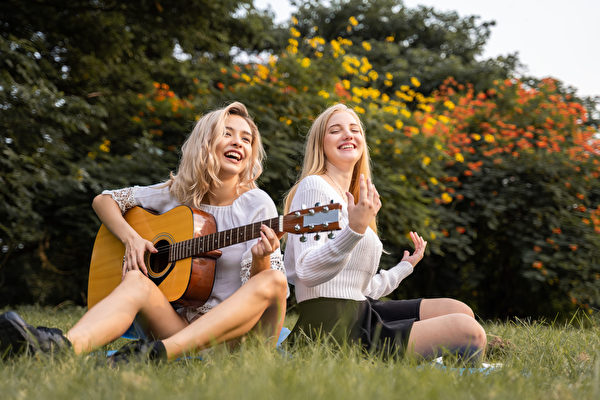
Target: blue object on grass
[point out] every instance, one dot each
(285, 332)
(135, 331)
(485, 368)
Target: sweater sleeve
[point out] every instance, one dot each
(318, 261)
(386, 281)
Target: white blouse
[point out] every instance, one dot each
(233, 267)
(344, 267)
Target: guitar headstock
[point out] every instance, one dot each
(313, 220)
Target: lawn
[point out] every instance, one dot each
(542, 360)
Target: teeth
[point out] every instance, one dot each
(347, 146)
(233, 154)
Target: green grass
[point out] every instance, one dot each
(544, 361)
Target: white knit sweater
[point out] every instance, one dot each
(344, 267)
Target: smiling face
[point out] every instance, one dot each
(343, 142)
(234, 148)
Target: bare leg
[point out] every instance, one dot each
(262, 299)
(454, 332)
(431, 308)
(108, 319)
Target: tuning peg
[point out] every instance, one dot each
(311, 211)
(296, 227)
(317, 204)
(303, 206)
(297, 213)
(325, 224)
(303, 238)
(325, 209)
(330, 235)
(331, 202)
(311, 227)
(317, 236)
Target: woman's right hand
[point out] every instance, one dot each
(109, 213)
(362, 213)
(135, 249)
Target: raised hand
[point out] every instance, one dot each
(417, 255)
(134, 255)
(366, 208)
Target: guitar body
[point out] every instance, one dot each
(187, 281)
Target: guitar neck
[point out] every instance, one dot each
(217, 240)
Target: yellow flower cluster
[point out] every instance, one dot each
(292, 47)
(105, 146)
(336, 46)
(323, 94)
(285, 120)
(316, 41)
(305, 62)
(449, 105)
(489, 138)
(366, 92)
(262, 72)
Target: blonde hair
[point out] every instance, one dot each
(199, 167)
(314, 156)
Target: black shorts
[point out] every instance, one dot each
(386, 325)
(380, 326)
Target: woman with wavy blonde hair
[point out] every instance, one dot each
(337, 282)
(199, 166)
(221, 160)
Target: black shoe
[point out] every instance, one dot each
(139, 350)
(17, 337)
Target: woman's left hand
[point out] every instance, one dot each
(267, 243)
(417, 255)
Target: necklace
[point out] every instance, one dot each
(339, 188)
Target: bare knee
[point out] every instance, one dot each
(136, 286)
(473, 334)
(273, 284)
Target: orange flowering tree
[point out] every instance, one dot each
(519, 204)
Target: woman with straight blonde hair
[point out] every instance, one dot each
(337, 282)
(221, 160)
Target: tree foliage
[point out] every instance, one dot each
(498, 174)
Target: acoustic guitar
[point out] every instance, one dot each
(187, 241)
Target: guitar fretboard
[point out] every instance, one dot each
(217, 240)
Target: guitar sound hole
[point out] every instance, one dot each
(159, 261)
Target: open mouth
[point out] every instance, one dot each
(347, 146)
(234, 155)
